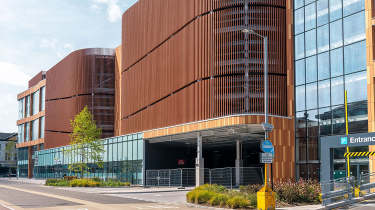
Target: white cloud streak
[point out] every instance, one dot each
(12, 74)
(113, 9)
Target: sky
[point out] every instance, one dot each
(37, 34)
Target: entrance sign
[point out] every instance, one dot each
(266, 157)
(267, 147)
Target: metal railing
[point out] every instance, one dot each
(345, 191)
(185, 177)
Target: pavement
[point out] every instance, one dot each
(16, 194)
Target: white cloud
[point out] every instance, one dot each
(11, 74)
(113, 9)
(48, 43)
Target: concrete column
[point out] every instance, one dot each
(238, 162)
(199, 163)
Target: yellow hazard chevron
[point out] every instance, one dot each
(359, 154)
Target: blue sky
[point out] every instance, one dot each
(36, 34)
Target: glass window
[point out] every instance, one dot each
(310, 16)
(355, 57)
(358, 117)
(27, 112)
(322, 10)
(140, 149)
(354, 28)
(310, 39)
(130, 150)
(311, 69)
(302, 149)
(337, 89)
(324, 93)
(325, 123)
(115, 151)
(42, 127)
(300, 124)
(312, 96)
(298, 3)
(335, 9)
(35, 102)
(120, 155)
(352, 6)
(356, 85)
(35, 129)
(135, 150)
(308, 1)
(312, 149)
(323, 38)
(20, 134)
(323, 66)
(125, 150)
(299, 46)
(300, 72)
(336, 34)
(338, 120)
(337, 66)
(42, 98)
(312, 123)
(300, 98)
(27, 132)
(299, 21)
(21, 108)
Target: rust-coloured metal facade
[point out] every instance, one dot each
(85, 77)
(186, 61)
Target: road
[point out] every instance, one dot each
(16, 196)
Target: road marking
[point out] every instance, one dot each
(6, 205)
(75, 200)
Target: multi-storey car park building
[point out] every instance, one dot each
(185, 90)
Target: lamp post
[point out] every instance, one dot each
(265, 196)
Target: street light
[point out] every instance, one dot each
(267, 127)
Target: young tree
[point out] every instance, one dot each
(85, 144)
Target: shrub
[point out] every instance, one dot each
(203, 196)
(303, 191)
(84, 183)
(218, 200)
(69, 178)
(57, 182)
(253, 188)
(212, 188)
(252, 199)
(190, 196)
(238, 202)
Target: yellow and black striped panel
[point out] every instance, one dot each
(359, 154)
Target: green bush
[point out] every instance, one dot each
(203, 196)
(252, 199)
(303, 191)
(190, 196)
(238, 202)
(212, 188)
(219, 200)
(253, 188)
(57, 182)
(84, 183)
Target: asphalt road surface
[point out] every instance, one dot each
(15, 196)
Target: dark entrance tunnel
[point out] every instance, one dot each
(182, 154)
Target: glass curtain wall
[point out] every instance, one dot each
(42, 98)
(123, 160)
(21, 108)
(22, 162)
(330, 57)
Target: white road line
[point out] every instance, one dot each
(7, 207)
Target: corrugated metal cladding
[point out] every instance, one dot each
(185, 61)
(85, 77)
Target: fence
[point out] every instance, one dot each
(345, 191)
(186, 177)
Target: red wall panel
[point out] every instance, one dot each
(186, 61)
